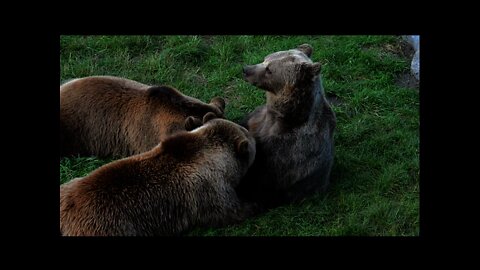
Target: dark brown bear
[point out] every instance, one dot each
(293, 131)
(111, 116)
(188, 180)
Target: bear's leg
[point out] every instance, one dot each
(241, 212)
(317, 182)
(257, 111)
(192, 123)
(199, 109)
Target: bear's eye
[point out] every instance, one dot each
(268, 71)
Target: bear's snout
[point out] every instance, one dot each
(247, 70)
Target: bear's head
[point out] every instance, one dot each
(283, 69)
(228, 135)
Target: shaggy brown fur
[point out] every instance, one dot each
(293, 131)
(111, 116)
(188, 180)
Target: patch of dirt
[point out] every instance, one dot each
(404, 50)
(230, 93)
(199, 79)
(407, 80)
(400, 48)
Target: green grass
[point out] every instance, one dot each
(375, 178)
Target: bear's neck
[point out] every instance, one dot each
(298, 106)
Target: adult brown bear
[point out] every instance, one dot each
(112, 116)
(293, 131)
(186, 181)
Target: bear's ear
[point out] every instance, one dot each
(316, 68)
(308, 70)
(242, 147)
(218, 102)
(192, 123)
(208, 116)
(306, 49)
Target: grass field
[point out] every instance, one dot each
(375, 178)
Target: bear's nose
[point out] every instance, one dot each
(247, 70)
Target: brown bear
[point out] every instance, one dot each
(293, 131)
(111, 116)
(186, 181)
